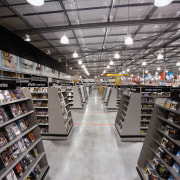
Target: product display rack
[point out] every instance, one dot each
(107, 96)
(77, 100)
(56, 120)
(160, 154)
(31, 128)
(112, 102)
(82, 93)
(135, 111)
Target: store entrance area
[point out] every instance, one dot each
(94, 150)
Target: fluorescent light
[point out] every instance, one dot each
(132, 75)
(161, 3)
(27, 38)
(36, 2)
(70, 67)
(158, 68)
(128, 69)
(156, 73)
(123, 72)
(95, 76)
(83, 66)
(178, 63)
(75, 55)
(128, 40)
(108, 66)
(143, 63)
(116, 56)
(80, 76)
(160, 56)
(104, 71)
(166, 70)
(80, 62)
(146, 71)
(64, 39)
(111, 62)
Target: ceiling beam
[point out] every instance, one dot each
(99, 25)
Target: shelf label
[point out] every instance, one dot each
(7, 84)
(156, 89)
(34, 84)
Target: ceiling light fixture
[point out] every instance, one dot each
(156, 73)
(161, 3)
(108, 66)
(48, 52)
(144, 63)
(70, 67)
(116, 55)
(160, 56)
(64, 39)
(80, 62)
(36, 2)
(158, 68)
(128, 40)
(27, 38)
(178, 63)
(83, 66)
(75, 55)
(111, 62)
(128, 69)
(104, 71)
(146, 71)
(123, 72)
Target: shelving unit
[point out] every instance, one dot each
(112, 102)
(104, 92)
(77, 100)
(107, 96)
(55, 121)
(82, 94)
(31, 127)
(135, 111)
(160, 147)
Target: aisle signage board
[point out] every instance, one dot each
(7, 84)
(34, 84)
(156, 89)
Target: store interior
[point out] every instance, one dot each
(89, 89)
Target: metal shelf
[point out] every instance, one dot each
(168, 109)
(13, 163)
(41, 115)
(40, 99)
(17, 138)
(14, 119)
(15, 101)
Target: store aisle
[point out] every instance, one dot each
(94, 151)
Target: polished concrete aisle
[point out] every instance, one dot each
(94, 151)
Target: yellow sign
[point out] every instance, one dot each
(116, 78)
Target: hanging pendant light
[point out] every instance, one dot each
(64, 39)
(111, 62)
(116, 56)
(27, 38)
(128, 40)
(75, 55)
(161, 3)
(144, 63)
(80, 62)
(160, 56)
(36, 2)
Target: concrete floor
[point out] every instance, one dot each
(94, 150)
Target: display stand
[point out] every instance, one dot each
(76, 99)
(104, 92)
(135, 111)
(56, 119)
(82, 94)
(108, 93)
(33, 128)
(111, 104)
(160, 154)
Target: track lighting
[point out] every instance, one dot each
(64, 39)
(75, 55)
(36, 2)
(161, 3)
(27, 38)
